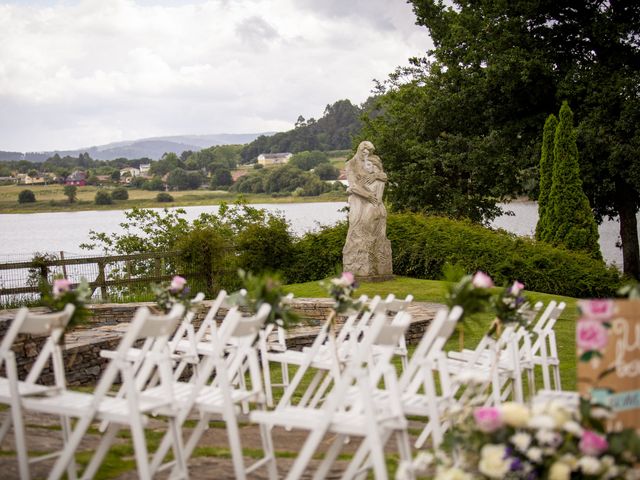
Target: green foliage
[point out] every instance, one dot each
(422, 246)
(334, 131)
(71, 192)
(180, 179)
(546, 178)
(283, 180)
(264, 245)
(326, 171)
(26, 196)
(61, 293)
(212, 158)
(571, 223)
(221, 177)
(164, 197)
(103, 198)
(120, 193)
(265, 289)
(152, 184)
(309, 160)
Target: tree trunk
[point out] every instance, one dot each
(626, 207)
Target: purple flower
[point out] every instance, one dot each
(488, 419)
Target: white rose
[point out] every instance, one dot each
(542, 422)
(521, 441)
(423, 460)
(573, 428)
(590, 465)
(559, 471)
(534, 454)
(558, 412)
(515, 414)
(453, 473)
(493, 462)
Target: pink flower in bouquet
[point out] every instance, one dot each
(516, 288)
(177, 283)
(488, 419)
(596, 309)
(481, 280)
(592, 444)
(60, 286)
(591, 335)
(348, 278)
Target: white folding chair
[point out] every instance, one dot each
(222, 395)
(132, 410)
(345, 416)
(12, 388)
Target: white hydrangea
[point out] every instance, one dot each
(548, 437)
(534, 454)
(452, 473)
(542, 421)
(573, 427)
(560, 471)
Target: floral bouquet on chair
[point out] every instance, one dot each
(167, 295)
(56, 296)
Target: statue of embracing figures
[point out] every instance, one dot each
(367, 251)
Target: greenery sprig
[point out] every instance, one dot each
(56, 296)
(177, 291)
(265, 289)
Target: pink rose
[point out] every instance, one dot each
(597, 309)
(481, 280)
(591, 335)
(592, 443)
(516, 288)
(347, 279)
(60, 286)
(177, 283)
(488, 419)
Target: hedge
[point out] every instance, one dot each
(422, 245)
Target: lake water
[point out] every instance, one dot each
(23, 234)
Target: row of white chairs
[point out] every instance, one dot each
(355, 389)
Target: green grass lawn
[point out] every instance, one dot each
(435, 291)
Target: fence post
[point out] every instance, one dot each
(102, 278)
(64, 266)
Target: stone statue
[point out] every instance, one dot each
(367, 251)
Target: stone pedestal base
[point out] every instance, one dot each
(374, 278)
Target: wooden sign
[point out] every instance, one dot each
(608, 347)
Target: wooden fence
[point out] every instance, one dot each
(22, 277)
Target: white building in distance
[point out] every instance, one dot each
(274, 158)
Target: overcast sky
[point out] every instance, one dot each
(77, 73)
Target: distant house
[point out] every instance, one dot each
(274, 158)
(35, 180)
(128, 173)
(77, 178)
(145, 169)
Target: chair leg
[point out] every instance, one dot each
(330, 457)
(5, 427)
(72, 469)
(21, 442)
(103, 448)
(269, 451)
(266, 376)
(305, 454)
(178, 449)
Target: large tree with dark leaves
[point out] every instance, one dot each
(497, 70)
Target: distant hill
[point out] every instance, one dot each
(152, 148)
(336, 130)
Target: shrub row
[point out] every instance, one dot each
(422, 245)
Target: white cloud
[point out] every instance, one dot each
(80, 73)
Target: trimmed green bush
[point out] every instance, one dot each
(26, 196)
(422, 245)
(546, 177)
(164, 197)
(103, 198)
(120, 193)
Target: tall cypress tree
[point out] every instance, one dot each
(571, 224)
(546, 179)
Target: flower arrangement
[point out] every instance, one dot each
(547, 441)
(341, 289)
(177, 291)
(261, 289)
(510, 307)
(56, 296)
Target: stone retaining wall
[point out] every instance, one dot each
(83, 345)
